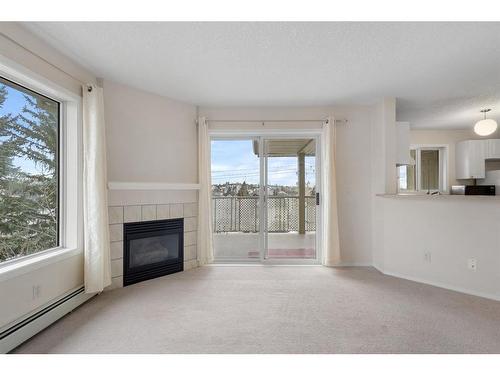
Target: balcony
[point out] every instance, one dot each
(236, 227)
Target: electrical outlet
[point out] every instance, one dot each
(427, 257)
(472, 264)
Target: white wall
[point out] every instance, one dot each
(16, 294)
(354, 184)
(383, 164)
(353, 166)
(55, 279)
(453, 229)
(150, 138)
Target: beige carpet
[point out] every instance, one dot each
(259, 309)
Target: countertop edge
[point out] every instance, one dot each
(441, 196)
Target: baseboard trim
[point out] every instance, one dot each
(36, 322)
(354, 264)
(441, 285)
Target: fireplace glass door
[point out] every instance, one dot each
(153, 249)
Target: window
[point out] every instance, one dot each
(428, 173)
(407, 175)
(29, 171)
(429, 169)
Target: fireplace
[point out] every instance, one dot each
(152, 249)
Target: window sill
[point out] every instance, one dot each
(23, 266)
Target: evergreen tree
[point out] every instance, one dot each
(28, 198)
(243, 192)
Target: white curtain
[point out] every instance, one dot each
(97, 260)
(205, 244)
(330, 235)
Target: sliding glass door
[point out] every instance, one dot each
(290, 198)
(236, 198)
(264, 199)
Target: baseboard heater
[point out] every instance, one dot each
(15, 335)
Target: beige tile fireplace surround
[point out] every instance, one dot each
(178, 207)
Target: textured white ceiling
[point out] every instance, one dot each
(441, 73)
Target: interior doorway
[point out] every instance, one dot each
(265, 199)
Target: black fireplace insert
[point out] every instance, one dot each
(152, 249)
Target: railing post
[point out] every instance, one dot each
(255, 213)
(302, 193)
(231, 217)
(215, 214)
(239, 214)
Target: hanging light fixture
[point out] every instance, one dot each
(486, 126)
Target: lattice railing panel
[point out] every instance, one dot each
(240, 214)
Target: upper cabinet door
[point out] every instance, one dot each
(493, 149)
(470, 159)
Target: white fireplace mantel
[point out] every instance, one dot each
(122, 185)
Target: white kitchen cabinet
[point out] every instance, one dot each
(493, 149)
(470, 159)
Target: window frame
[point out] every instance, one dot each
(58, 158)
(69, 173)
(405, 191)
(443, 165)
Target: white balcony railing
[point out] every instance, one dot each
(240, 214)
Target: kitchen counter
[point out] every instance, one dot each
(432, 239)
(441, 196)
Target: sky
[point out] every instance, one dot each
(14, 104)
(234, 161)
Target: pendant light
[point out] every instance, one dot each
(486, 126)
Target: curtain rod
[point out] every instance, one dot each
(322, 120)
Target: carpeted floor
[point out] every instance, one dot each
(285, 309)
